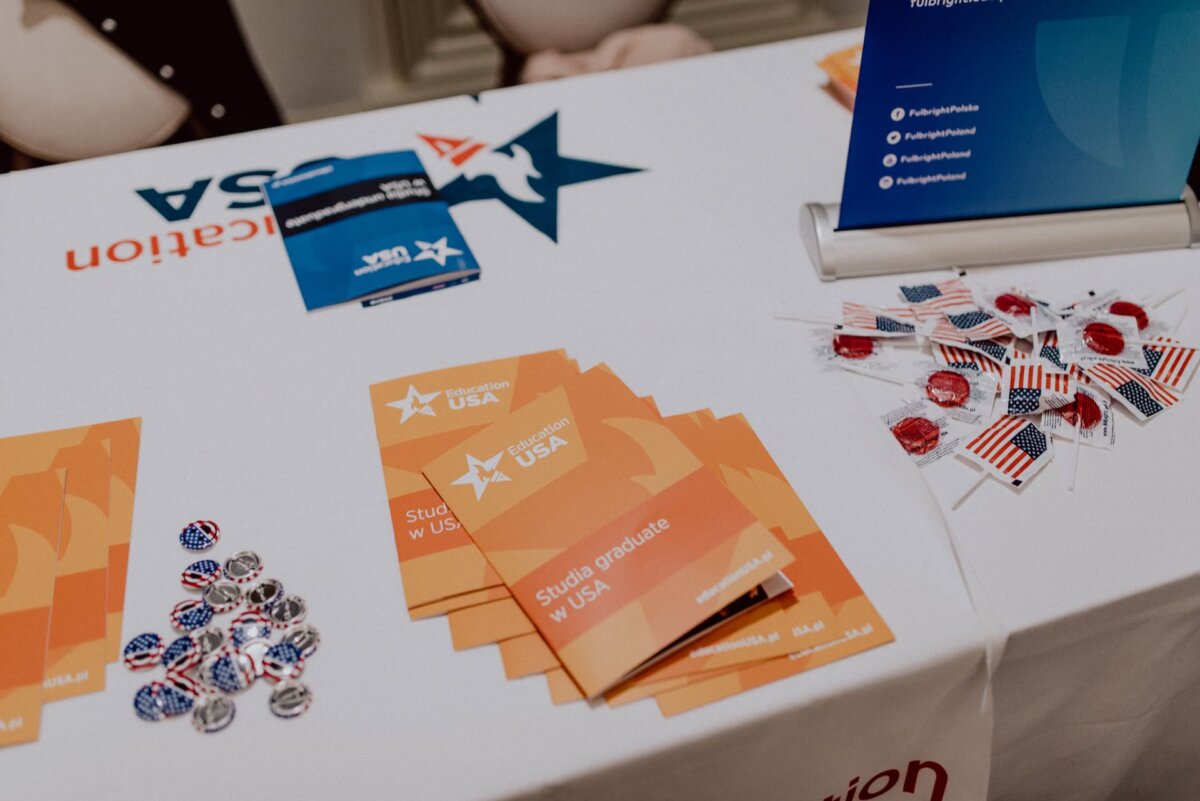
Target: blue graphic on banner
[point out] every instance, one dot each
(361, 226)
(983, 108)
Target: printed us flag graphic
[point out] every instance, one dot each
(978, 324)
(950, 356)
(896, 321)
(1012, 449)
(948, 333)
(1138, 394)
(1030, 388)
(946, 295)
(1171, 362)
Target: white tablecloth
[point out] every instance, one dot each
(256, 415)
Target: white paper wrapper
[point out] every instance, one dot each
(925, 432)
(1020, 312)
(963, 394)
(1096, 424)
(1093, 338)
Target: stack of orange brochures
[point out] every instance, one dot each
(616, 551)
(842, 68)
(66, 513)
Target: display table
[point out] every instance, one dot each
(256, 414)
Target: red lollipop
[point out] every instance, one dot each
(852, 347)
(1085, 410)
(1008, 303)
(948, 389)
(916, 435)
(1127, 309)
(1103, 339)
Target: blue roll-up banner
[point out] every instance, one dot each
(986, 108)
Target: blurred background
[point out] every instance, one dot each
(83, 78)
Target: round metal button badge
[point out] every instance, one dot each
(243, 567)
(305, 637)
(289, 611)
(290, 699)
(214, 714)
(208, 639)
(264, 594)
(223, 596)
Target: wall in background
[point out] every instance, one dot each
(322, 59)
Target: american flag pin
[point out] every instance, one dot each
(201, 574)
(200, 535)
(191, 615)
(283, 662)
(143, 652)
(181, 654)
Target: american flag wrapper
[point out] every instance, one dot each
(1141, 396)
(946, 297)
(972, 324)
(963, 359)
(1012, 449)
(899, 321)
(1090, 416)
(1170, 362)
(1029, 388)
(998, 350)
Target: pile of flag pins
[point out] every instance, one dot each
(1057, 370)
(210, 663)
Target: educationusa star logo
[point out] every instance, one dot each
(415, 403)
(481, 473)
(524, 174)
(438, 251)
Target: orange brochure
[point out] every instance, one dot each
(477, 625)
(417, 418)
(31, 517)
(860, 628)
(612, 536)
(463, 601)
(125, 438)
(77, 647)
(562, 689)
(527, 655)
(826, 598)
(76, 658)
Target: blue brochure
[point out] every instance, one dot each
(984, 108)
(371, 229)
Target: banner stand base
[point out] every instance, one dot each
(998, 240)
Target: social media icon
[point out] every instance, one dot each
(886, 182)
(897, 114)
(893, 138)
(889, 160)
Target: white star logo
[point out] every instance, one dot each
(438, 251)
(415, 403)
(480, 473)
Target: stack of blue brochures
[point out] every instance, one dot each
(371, 229)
